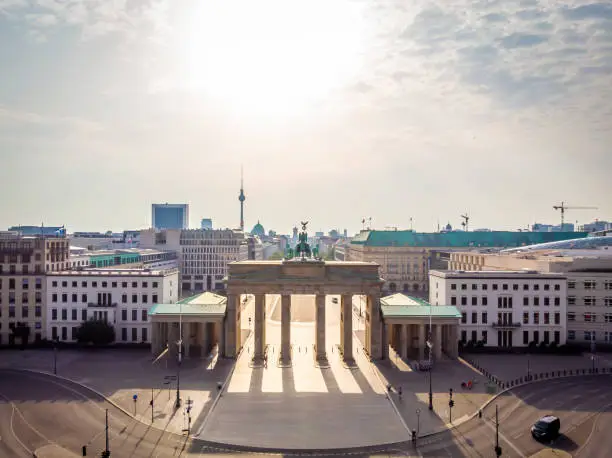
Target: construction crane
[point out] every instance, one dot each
(466, 220)
(564, 207)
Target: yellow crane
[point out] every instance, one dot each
(564, 207)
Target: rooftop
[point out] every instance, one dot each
(586, 243)
(201, 304)
(401, 306)
(116, 272)
(493, 273)
(497, 239)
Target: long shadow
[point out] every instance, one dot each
(255, 385)
(330, 381)
(288, 380)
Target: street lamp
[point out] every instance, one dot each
(418, 414)
(55, 341)
(180, 357)
(430, 391)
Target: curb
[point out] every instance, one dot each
(504, 391)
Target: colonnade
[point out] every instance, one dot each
(412, 338)
(199, 337)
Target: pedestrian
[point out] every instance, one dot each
(399, 392)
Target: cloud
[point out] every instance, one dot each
(13, 117)
(520, 40)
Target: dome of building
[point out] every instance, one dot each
(258, 229)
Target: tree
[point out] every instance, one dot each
(96, 332)
(276, 256)
(22, 332)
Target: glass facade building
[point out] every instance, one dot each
(170, 216)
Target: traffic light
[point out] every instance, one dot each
(498, 450)
(106, 454)
(451, 403)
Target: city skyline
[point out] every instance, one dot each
(338, 112)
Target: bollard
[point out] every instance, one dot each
(479, 413)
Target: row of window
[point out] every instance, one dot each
(590, 336)
(25, 269)
(590, 317)
(506, 301)
(74, 315)
(25, 297)
(590, 301)
(526, 335)
(94, 284)
(25, 283)
(74, 329)
(25, 311)
(104, 298)
(589, 284)
(506, 286)
(506, 318)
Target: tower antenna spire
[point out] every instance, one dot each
(241, 197)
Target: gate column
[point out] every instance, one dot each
(346, 328)
(260, 327)
(321, 354)
(285, 356)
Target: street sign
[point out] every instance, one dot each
(135, 397)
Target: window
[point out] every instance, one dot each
(607, 317)
(11, 311)
(608, 301)
(11, 297)
(64, 314)
(484, 336)
(463, 286)
(24, 298)
(64, 284)
(94, 284)
(124, 298)
(134, 298)
(74, 314)
(608, 284)
(74, 297)
(590, 317)
(474, 336)
(547, 301)
(155, 284)
(54, 297)
(571, 300)
(114, 284)
(84, 298)
(589, 284)
(463, 300)
(536, 318)
(589, 335)
(590, 300)
(54, 284)
(11, 283)
(485, 286)
(145, 298)
(557, 337)
(571, 284)
(536, 287)
(484, 318)
(124, 315)
(38, 297)
(145, 284)
(495, 286)
(608, 336)
(546, 287)
(463, 336)
(463, 317)
(124, 284)
(499, 302)
(474, 300)
(571, 335)
(124, 334)
(37, 311)
(515, 287)
(525, 301)
(571, 316)
(84, 284)
(474, 318)
(64, 297)
(54, 332)
(557, 318)
(505, 286)
(546, 337)
(134, 334)
(134, 314)
(453, 300)
(24, 311)
(84, 315)
(546, 318)
(144, 315)
(73, 333)
(484, 300)
(525, 337)
(557, 301)
(557, 288)
(25, 283)
(154, 298)
(74, 284)
(525, 287)
(134, 284)
(54, 314)
(525, 317)
(144, 334)
(536, 301)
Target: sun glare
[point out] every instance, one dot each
(271, 57)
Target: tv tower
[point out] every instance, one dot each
(241, 198)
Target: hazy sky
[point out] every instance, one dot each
(338, 110)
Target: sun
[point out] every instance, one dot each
(271, 57)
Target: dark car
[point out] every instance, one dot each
(546, 428)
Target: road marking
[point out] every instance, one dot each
(514, 447)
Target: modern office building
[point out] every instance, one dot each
(587, 265)
(203, 255)
(406, 256)
(123, 298)
(504, 308)
(206, 223)
(23, 263)
(49, 231)
(170, 216)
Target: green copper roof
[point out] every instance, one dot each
(495, 239)
(258, 229)
(200, 304)
(402, 306)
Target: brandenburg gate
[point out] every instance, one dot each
(303, 272)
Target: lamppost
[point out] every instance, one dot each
(592, 354)
(180, 357)
(528, 368)
(55, 341)
(430, 391)
(418, 414)
(430, 346)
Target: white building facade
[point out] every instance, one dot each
(122, 298)
(505, 308)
